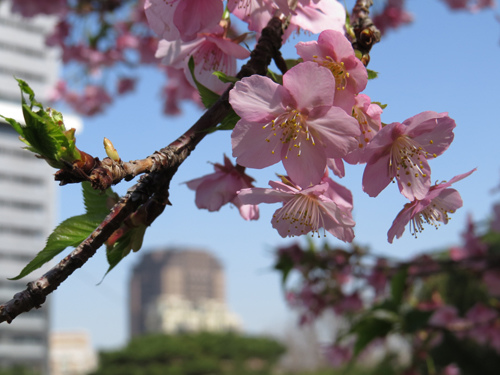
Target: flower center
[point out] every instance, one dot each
(366, 131)
(303, 214)
(433, 214)
(338, 70)
(291, 128)
(405, 157)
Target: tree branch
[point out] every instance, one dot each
(151, 192)
(365, 32)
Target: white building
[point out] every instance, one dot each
(71, 353)
(174, 314)
(27, 188)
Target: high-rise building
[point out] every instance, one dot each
(27, 188)
(174, 290)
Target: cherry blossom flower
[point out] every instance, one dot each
(473, 247)
(210, 51)
(432, 209)
(296, 123)
(368, 116)
(393, 16)
(219, 188)
(310, 15)
(472, 6)
(327, 205)
(126, 84)
(401, 151)
(178, 88)
(180, 19)
(93, 100)
(31, 8)
(335, 52)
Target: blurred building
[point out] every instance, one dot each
(71, 353)
(27, 189)
(175, 290)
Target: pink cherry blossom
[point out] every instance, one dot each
(296, 123)
(368, 116)
(491, 278)
(327, 205)
(219, 188)
(473, 247)
(180, 19)
(178, 88)
(401, 151)
(335, 52)
(470, 5)
(93, 100)
(310, 15)
(432, 209)
(392, 16)
(315, 16)
(126, 84)
(444, 316)
(338, 355)
(210, 51)
(31, 8)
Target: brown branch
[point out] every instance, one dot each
(365, 32)
(150, 193)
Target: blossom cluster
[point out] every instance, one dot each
(312, 121)
(103, 41)
(417, 299)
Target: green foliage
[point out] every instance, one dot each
(224, 77)
(208, 98)
(192, 354)
(72, 231)
(372, 74)
(18, 370)
(44, 132)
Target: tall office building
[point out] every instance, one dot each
(27, 188)
(174, 290)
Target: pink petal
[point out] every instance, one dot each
(192, 17)
(262, 195)
(251, 148)
(310, 85)
(415, 185)
(337, 132)
(434, 131)
(307, 168)
(399, 224)
(376, 176)
(258, 99)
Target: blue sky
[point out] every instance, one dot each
(444, 62)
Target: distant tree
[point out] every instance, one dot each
(193, 354)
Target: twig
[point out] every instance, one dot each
(366, 33)
(152, 189)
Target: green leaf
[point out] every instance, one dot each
(398, 286)
(414, 320)
(369, 329)
(208, 97)
(275, 77)
(224, 77)
(44, 132)
(229, 121)
(71, 232)
(132, 240)
(372, 74)
(290, 63)
(380, 104)
(95, 201)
